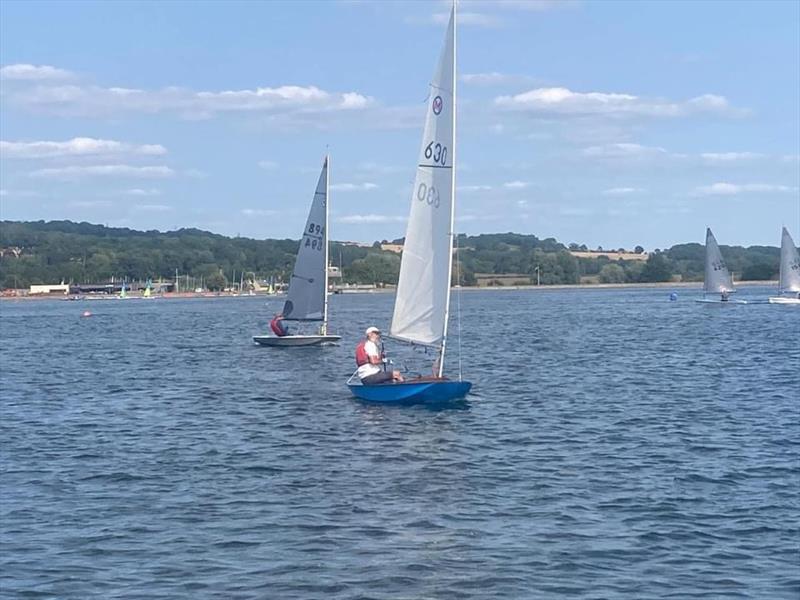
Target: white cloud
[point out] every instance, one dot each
(370, 218)
(495, 78)
(90, 203)
(624, 150)
(528, 5)
(732, 189)
(622, 191)
(142, 192)
(19, 193)
(267, 165)
(258, 212)
(93, 100)
(638, 152)
(80, 172)
(558, 100)
(352, 100)
(79, 146)
(474, 19)
(729, 157)
(516, 185)
(25, 72)
(474, 188)
(353, 187)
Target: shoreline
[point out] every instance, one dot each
(539, 288)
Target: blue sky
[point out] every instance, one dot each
(603, 123)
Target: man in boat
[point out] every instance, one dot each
(724, 296)
(369, 358)
(277, 325)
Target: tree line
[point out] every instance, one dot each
(55, 251)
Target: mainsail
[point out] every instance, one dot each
(423, 289)
(790, 264)
(306, 299)
(718, 278)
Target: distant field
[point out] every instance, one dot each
(611, 255)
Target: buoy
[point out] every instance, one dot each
(86, 313)
(673, 296)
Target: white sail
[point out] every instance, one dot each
(306, 297)
(790, 264)
(423, 289)
(718, 278)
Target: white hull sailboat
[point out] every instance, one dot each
(718, 278)
(307, 298)
(422, 300)
(790, 272)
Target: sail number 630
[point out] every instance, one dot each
(437, 152)
(428, 194)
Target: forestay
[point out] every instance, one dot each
(423, 289)
(306, 296)
(790, 264)
(718, 278)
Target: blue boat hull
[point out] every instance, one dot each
(412, 392)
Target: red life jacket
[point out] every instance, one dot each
(275, 325)
(362, 358)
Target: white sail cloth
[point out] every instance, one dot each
(718, 278)
(790, 264)
(424, 284)
(306, 297)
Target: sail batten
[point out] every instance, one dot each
(790, 264)
(306, 296)
(717, 276)
(421, 302)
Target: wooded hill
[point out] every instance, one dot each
(54, 251)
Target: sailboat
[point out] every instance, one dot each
(307, 299)
(422, 300)
(790, 271)
(717, 278)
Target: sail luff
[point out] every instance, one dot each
(790, 264)
(717, 277)
(327, 243)
(452, 197)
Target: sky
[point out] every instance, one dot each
(606, 123)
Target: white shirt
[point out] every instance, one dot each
(371, 348)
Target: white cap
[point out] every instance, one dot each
(372, 330)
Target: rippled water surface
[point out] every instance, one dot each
(616, 445)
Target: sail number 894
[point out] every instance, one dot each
(428, 194)
(437, 152)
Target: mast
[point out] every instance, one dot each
(327, 244)
(452, 201)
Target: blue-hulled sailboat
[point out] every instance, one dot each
(422, 302)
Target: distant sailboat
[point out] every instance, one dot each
(718, 279)
(308, 288)
(790, 271)
(123, 293)
(147, 293)
(423, 290)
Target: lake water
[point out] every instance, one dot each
(616, 445)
